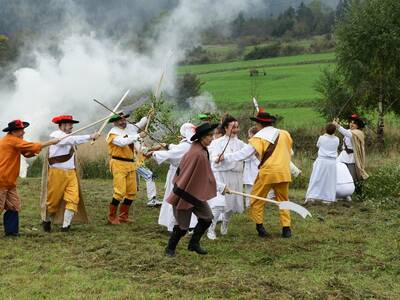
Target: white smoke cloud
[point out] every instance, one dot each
(86, 66)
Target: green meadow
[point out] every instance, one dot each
(345, 251)
(284, 86)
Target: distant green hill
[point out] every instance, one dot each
(287, 88)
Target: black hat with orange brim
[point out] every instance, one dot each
(16, 125)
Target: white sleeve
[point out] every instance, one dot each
(220, 187)
(244, 153)
(319, 142)
(174, 152)
(124, 141)
(75, 140)
(142, 123)
(345, 132)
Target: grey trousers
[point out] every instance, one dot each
(201, 210)
(353, 172)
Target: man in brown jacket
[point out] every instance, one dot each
(194, 185)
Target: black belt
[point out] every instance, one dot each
(123, 159)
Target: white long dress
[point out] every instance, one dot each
(322, 184)
(229, 173)
(345, 184)
(173, 156)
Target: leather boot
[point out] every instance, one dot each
(46, 226)
(124, 211)
(261, 230)
(11, 223)
(112, 214)
(174, 239)
(199, 230)
(286, 232)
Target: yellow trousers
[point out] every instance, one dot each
(62, 185)
(124, 183)
(257, 207)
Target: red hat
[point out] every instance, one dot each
(263, 117)
(64, 119)
(16, 125)
(357, 120)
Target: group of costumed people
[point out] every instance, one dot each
(208, 170)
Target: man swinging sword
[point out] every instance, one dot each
(61, 195)
(273, 146)
(121, 140)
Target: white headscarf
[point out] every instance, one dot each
(187, 131)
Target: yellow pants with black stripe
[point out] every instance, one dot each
(124, 180)
(62, 185)
(257, 207)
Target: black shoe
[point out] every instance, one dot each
(169, 252)
(12, 234)
(196, 248)
(286, 232)
(261, 230)
(65, 229)
(173, 241)
(46, 226)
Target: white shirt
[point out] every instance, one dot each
(217, 146)
(268, 133)
(64, 147)
(174, 153)
(344, 157)
(250, 170)
(126, 136)
(328, 146)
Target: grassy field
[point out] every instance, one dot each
(287, 89)
(259, 63)
(343, 252)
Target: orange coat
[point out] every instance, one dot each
(11, 149)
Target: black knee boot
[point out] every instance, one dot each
(11, 223)
(199, 230)
(176, 235)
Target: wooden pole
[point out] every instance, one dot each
(115, 109)
(86, 127)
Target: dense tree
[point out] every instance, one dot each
(368, 60)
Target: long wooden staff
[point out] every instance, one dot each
(111, 114)
(227, 143)
(109, 109)
(87, 126)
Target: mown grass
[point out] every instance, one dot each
(346, 251)
(293, 84)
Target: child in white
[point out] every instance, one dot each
(323, 179)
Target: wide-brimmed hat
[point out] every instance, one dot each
(118, 117)
(202, 130)
(263, 117)
(357, 120)
(64, 119)
(16, 125)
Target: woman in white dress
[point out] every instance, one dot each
(229, 173)
(322, 184)
(173, 156)
(345, 184)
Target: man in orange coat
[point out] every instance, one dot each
(12, 146)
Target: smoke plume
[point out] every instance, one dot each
(76, 59)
